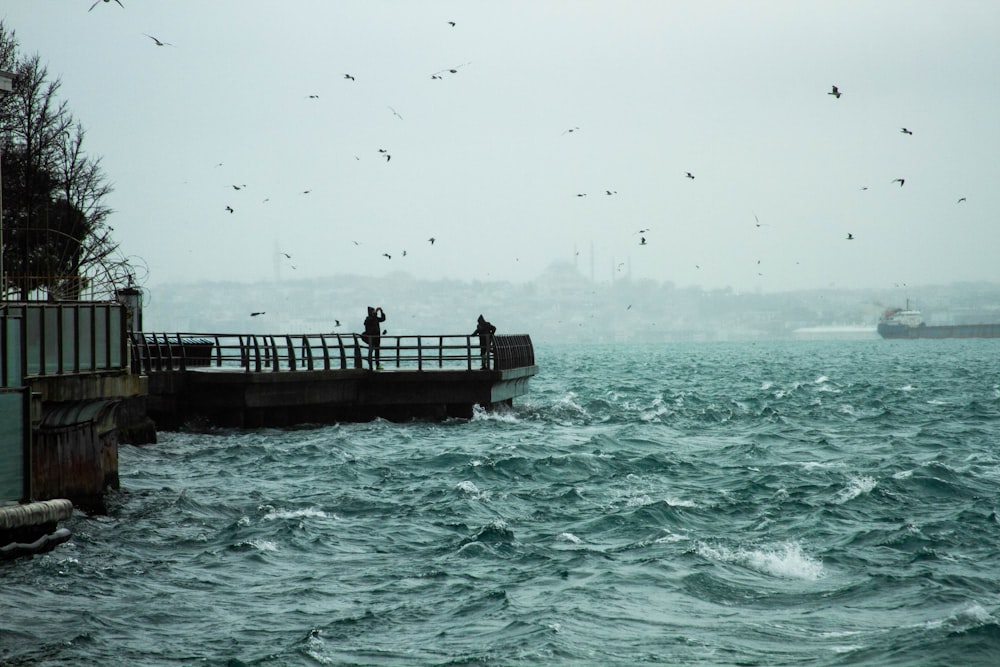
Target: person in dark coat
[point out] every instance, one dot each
(373, 335)
(485, 330)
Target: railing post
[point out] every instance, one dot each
(343, 352)
(326, 352)
(291, 354)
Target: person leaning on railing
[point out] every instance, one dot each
(485, 330)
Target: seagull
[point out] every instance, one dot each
(387, 157)
(689, 175)
(451, 23)
(313, 97)
(256, 313)
(581, 194)
(305, 192)
(387, 255)
(864, 187)
(431, 240)
(230, 209)
(572, 129)
(900, 180)
(158, 42)
(404, 253)
(99, 2)
(348, 76)
(450, 70)
(239, 187)
(642, 240)
(960, 200)
(850, 236)
(286, 255)
(610, 192)
(395, 113)
(759, 223)
(835, 92)
(906, 131)
(336, 323)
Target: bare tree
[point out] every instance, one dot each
(55, 238)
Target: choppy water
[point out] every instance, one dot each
(796, 503)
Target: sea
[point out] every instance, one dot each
(712, 503)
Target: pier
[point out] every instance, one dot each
(278, 380)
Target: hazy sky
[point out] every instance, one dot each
(484, 161)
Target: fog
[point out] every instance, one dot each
(562, 305)
(537, 131)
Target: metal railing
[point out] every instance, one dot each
(166, 352)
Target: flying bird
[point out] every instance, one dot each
(899, 180)
(313, 97)
(835, 92)
(286, 255)
(611, 192)
(431, 240)
(642, 240)
(906, 131)
(230, 209)
(395, 113)
(850, 236)
(158, 42)
(99, 2)
(387, 255)
(256, 313)
(348, 76)
(336, 323)
(572, 129)
(239, 187)
(689, 175)
(451, 23)
(960, 200)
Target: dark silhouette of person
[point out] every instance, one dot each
(373, 335)
(485, 330)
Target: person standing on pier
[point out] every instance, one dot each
(373, 335)
(485, 330)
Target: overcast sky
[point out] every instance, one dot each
(548, 101)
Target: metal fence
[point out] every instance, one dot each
(164, 352)
(41, 339)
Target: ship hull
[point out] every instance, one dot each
(953, 331)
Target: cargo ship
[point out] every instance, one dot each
(907, 323)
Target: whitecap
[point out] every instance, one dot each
(821, 379)
(856, 486)
(470, 489)
(504, 415)
(670, 538)
(260, 545)
(908, 387)
(310, 512)
(676, 502)
(786, 561)
(570, 537)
